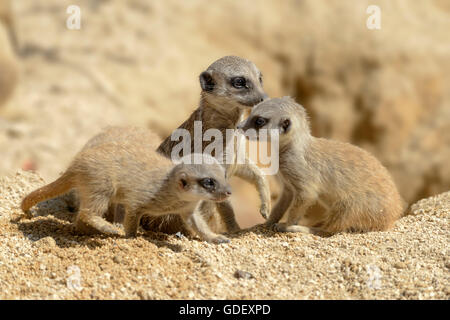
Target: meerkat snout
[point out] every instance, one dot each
(233, 79)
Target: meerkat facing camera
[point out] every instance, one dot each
(356, 190)
(229, 86)
(143, 182)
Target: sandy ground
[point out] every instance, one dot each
(42, 258)
(72, 85)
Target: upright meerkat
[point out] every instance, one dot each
(124, 172)
(357, 191)
(9, 71)
(229, 86)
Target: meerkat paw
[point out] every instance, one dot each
(218, 239)
(264, 210)
(234, 229)
(269, 225)
(283, 227)
(96, 225)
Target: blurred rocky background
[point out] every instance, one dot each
(137, 62)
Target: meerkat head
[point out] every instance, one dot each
(284, 115)
(232, 81)
(201, 178)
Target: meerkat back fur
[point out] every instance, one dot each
(229, 86)
(119, 135)
(356, 190)
(140, 180)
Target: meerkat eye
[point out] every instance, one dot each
(208, 183)
(238, 82)
(259, 122)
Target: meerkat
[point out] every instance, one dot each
(356, 190)
(127, 173)
(229, 86)
(9, 70)
(115, 134)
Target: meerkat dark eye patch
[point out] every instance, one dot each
(183, 183)
(239, 82)
(206, 81)
(285, 125)
(208, 183)
(259, 122)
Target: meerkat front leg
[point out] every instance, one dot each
(226, 212)
(297, 210)
(282, 206)
(131, 222)
(252, 173)
(196, 222)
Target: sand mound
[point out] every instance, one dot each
(42, 258)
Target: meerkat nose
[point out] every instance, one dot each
(228, 192)
(264, 97)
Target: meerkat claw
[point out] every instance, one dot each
(219, 239)
(264, 211)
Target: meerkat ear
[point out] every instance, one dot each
(285, 125)
(206, 81)
(182, 181)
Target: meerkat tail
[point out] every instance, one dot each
(52, 190)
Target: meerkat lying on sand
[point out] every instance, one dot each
(127, 173)
(229, 86)
(357, 191)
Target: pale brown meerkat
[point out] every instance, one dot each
(122, 135)
(229, 86)
(129, 174)
(356, 190)
(9, 68)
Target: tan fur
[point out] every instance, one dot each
(222, 108)
(120, 135)
(121, 167)
(9, 71)
(356, 190)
